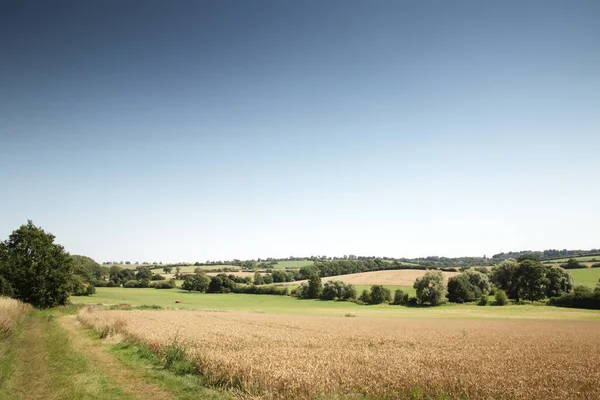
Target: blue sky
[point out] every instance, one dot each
(218, 129)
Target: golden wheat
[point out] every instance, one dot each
(278, 356)
(11, 311)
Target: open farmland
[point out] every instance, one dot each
(293, 264)
(586, 276)
(304, 357)
(399, 277)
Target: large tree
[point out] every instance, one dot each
(431, 288)
(38, 270)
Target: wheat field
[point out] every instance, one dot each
(396, 277)
(279, 356)
(11, 311)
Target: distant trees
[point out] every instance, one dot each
(34, 269)
(312, 289)
(531, 280)
(431, 288)
(572, 264)
(197, 282)
(338, 290)
(167, 269)
(468, 286)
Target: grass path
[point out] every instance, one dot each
(129, 380)
(52, 357)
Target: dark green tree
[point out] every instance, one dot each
(532, 280)
(38, 270)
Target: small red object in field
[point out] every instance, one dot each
(178, 301)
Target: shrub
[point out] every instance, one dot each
(483, 300)
(461, 290)
(572, 264)
(338, 290)
(597, 265)
(400, 298)
(500, 297)
(365, 297)
(581, 297)
(158, 277)
(380, 295)
(165, 284)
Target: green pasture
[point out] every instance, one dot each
(290, 305)
(586, 276)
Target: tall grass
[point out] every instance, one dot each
(11, 312)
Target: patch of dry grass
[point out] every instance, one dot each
(280, 356)
(11, 312)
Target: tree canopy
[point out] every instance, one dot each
(37, 270)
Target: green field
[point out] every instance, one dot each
(291, 305)
(292, 264)
(586, 276)
(581, 259)
(191, 268)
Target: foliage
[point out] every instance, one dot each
(338, 290)
(380, 295)
(220, 284)
(170, 284)
(198, 283)
(572, 264)
(461, 290)
(431, 288)
(558, 282)
(483, 300)
(581, 297)
(37, 270)
(531, 280)
(80, 287)
(400, 298)
(500, 297)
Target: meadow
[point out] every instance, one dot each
(586, 276)
(293, 306)
(302, 357)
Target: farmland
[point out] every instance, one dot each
(307, 357)
(293, 306)
(586, 276)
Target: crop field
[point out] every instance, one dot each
(399, 277)
(11, 312)
(293, 306)
(586, 276)
(292, 264)
(306, 357)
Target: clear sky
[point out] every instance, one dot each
(195, 130)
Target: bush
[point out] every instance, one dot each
(412, 301)
(483, 300)
(461, 290)
(365, 297)
(597, 265)
(581, 297)
(379, 294)
(338, 290)
(165, 284)
(500, 297)
(400, 298)
(198, 282)
(157, 277)
(572, 264)
(262, 289)
(144, 283)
